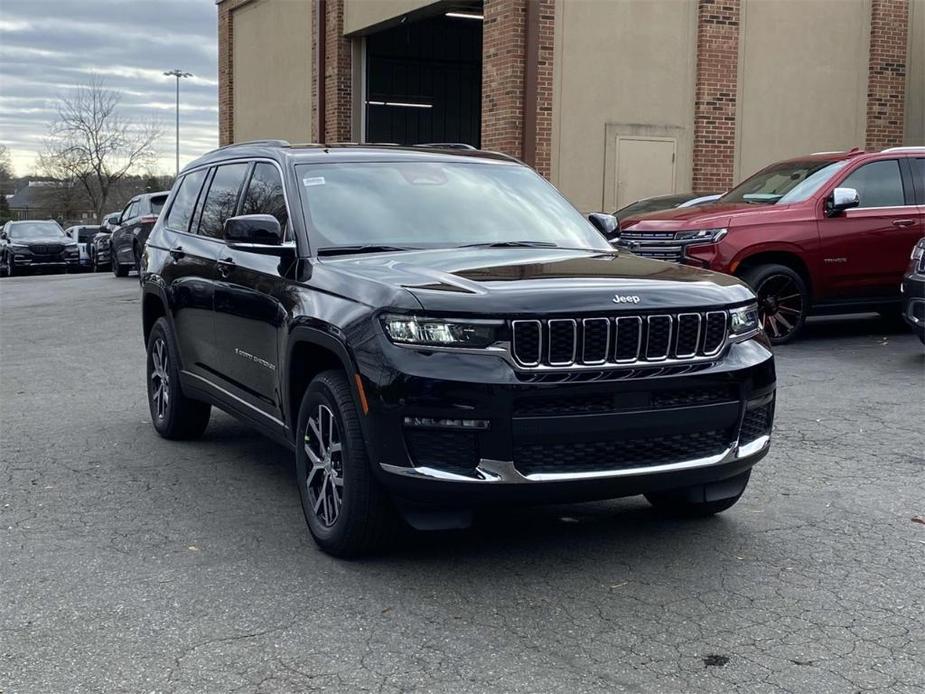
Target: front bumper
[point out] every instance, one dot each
(21, 260)
(594, 435)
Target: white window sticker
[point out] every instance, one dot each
(313, 181)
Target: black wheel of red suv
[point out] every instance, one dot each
(174, 415)
(782, 300)
(347, 510)
(691, 502)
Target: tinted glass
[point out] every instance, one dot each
(879, 184)
(265, 194)
(130, 211)
(784, 183)
(35, 230)
(84, 234)
(221, 199)
(438, 204)
(157, 203)
(662, 202)
(182, 208)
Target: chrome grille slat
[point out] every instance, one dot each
(621, 340)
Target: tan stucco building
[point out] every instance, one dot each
(611, 99)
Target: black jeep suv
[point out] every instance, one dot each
(432, 330)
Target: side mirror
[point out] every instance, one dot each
(257, 233)
(840, 200)
(607, 224)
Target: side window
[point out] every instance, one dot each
(879, 184)
(918, 173)
(182, 208)
(222, 199)
(265, 194)
(129, 211)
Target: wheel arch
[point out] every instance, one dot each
(153, 306)
(777, 256)
(311, 351)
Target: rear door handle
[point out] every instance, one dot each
(225, 266)
(177, 252)
(903, 222)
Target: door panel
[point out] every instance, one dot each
(865, 250)
(190, 275)
(645, 167)
(251, 309)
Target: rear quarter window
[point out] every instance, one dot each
(157, 203)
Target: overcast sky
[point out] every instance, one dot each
(48, 46)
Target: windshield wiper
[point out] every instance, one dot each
(362, 248)
(511, 244)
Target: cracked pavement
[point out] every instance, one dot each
(131, 563)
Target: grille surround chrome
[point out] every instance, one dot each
(641, 356)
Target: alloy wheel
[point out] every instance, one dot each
(160, 380)
(780, 305)
(324, 481)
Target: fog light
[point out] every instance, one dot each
(442, 423)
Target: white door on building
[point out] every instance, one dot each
(645, 167)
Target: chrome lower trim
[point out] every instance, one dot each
(503, 471)
(909, 312)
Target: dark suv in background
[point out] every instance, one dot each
(434, 330)
(134, 225)
(36, 244)
(825, 233)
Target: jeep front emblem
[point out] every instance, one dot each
(624, 299)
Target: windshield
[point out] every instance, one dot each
(785, 183)
(35, 230)
(662, 202)
(438, 204)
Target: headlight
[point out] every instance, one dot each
(19, 246)
(441, 332)
(701, 235)
(744, 322)
(917, 251)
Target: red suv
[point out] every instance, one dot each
(826, 233)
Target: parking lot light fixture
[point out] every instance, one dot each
(179, 74)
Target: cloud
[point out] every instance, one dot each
(48, 47)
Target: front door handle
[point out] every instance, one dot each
(177, 252)
(903, 222)
(225, 266)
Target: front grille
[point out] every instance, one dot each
(562, 405)
(757, 422)
(657, 245)
(595, 456)
(453, 451)
(46, 249)
(596, 341)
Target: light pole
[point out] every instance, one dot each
(179, 74)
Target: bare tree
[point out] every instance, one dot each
(92, 144)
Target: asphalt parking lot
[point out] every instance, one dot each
(130, 563)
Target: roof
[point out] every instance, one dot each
(346, 151)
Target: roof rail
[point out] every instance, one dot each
(445, 145)
(908, 148)
(275, 143)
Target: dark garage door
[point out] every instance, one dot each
(424, 82)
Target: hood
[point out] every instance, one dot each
(704, 217)
(528, 281)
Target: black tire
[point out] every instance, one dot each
(118, 269)
(783, 300)
(691, 502)
(176, 416)
(363, 519)
(8, 269)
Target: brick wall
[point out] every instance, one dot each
(715, 96)
(886, 73)
(543, 163)
(226, 71)
(503, 74)
(338, 75)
